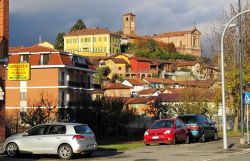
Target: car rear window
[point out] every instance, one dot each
(188, 119)
(163, 124)
(82, 129)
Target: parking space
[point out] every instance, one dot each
(182, 152)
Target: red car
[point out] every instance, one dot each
(167, 131)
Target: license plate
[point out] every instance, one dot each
(155, 137)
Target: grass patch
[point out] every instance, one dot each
(122, 146)
(230, 133)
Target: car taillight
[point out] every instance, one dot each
(79, 137)
(167, 132)
(146, 133)
(195, 127)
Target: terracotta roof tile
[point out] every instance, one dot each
(129, 14)
(141, 59)
(34, 49)
(147, 91)
(197, 83)
(140, 100)
(137, 82)
(34, 59)
(177, 33)
(55, 59)
(186, 63)
(14, 58)
(90, 31)
(66, 59)
(119, 61)
(115, 86)
(159, 80)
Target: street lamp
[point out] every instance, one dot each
(223, 81)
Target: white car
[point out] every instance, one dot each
(64, 139)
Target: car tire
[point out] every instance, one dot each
(187, 140)
(88, 154)
(174, 140)
(202, 138)
(147, 144)
(12, 150)
(65, 151)
(215, 136)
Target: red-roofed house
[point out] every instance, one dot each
(116, 90)
(63, 76)
(136, 85)
(140, 67)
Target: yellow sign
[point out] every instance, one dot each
(19, 72)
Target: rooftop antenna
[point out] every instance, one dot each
(194, 25)
(40, 39)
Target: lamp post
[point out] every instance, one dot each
(223, 79)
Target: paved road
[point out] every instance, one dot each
(208, 151)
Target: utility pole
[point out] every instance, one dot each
(239, 51)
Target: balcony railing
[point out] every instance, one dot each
(77, 84)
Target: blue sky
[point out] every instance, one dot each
(30, 19)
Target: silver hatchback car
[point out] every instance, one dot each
(64, 139)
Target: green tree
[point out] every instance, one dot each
(59, 44)
(102, 75)
(79, 25)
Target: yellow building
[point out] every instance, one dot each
(118, 63)
(93, 42)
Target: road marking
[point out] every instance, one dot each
(225, 156)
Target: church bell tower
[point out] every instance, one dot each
(129, 24)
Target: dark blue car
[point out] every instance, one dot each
(200, 126)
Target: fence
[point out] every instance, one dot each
(10, 130)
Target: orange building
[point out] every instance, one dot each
(4, 44)
(62, 77)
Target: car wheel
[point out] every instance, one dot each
(174, 140)
(88, 154)
(12, 150)
(215, 136)
(202, 138)
(65, 151)
(147, 144)
(187, 140)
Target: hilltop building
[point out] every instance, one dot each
(186, 42)
(92, 42)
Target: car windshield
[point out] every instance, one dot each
(188, 119)
(82, 129)
(163, 124)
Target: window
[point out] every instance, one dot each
(94, 39)
(105, 39)
(119, 68)
(63, 78)
(25, 58)
(87, 39)
(23, 96)
(82, 129)
(82, 39)
(100, 50)
(57, 129)
(38, 130)
(100, 39)
(62, 99)
(126, 18)
(44, 59)
(162, 124)
(177, 124)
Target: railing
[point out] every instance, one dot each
(76, 84)
(10, 130)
